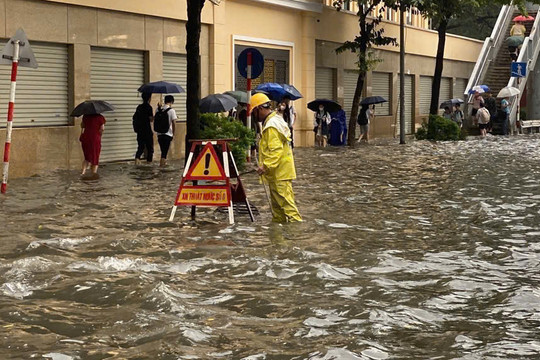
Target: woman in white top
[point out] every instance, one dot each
(322, 126)
(165, 139)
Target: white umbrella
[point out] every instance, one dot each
(508, 91)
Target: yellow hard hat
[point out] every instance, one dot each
(258, 99)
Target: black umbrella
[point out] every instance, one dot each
(91, 107)
(161, 87)
(370, 100)
(329, 105)
(451, 103)
(217, 103)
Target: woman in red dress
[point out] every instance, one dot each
(92, 127)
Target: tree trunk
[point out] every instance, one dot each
(193, 29)
(402, 130)
(439, 62)
(351, 136)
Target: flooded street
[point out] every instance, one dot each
(422, 251)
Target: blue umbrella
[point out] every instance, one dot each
(161, 87)
(292, 92)
(479, 88)
(275, 91)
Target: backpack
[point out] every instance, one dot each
(138, 121)
(161, 121)
(362, 117)
(483, 116)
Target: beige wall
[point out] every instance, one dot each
(414, 64)
(331, 25)
(174, 9)
(38, 149)
(294, 33)
(141, 25)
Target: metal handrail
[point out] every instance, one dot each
(490, 48)
(528, 54)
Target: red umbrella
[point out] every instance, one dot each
(522, 18)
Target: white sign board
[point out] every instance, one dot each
(26, 55)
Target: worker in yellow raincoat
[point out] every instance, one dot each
(276, 163)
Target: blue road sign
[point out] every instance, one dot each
(257, 63)
(518, 69)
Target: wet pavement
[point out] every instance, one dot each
(421, 251)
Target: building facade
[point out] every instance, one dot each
(99, 49)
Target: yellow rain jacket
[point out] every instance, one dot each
(275, 153)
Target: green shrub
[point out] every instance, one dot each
(215, 126)
(522, 114)
(439, 129)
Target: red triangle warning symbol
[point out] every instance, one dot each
(207, 166)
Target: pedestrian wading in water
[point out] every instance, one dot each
(142, 125)
(165, 126)
(276, 162)
(92, 127)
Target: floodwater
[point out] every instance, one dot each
(420, 251)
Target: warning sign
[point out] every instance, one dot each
(204, 196)
(207, 166)
(217, 190)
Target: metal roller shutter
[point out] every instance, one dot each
(324, 83)
(408, 105)
(175, 70)
(42, 93)
(350, 78)
(445, 93)
(460, 88)
(380, 86)
(116, 75)
(425, 94)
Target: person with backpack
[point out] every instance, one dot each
(366, 114)
(164, 126)
(142, 125)
(457, 115)
(483, 117)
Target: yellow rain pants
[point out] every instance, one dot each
(282, 198)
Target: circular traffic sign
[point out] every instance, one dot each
(257, 63)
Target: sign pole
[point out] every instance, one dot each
(248, 121)
(518, 99)
(249, 63)
(11, 107)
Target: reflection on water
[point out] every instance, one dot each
(407, 252)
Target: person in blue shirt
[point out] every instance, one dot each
(505, 106)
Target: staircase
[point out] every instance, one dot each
(498, 71)
(493, 65)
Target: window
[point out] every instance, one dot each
(389, 14)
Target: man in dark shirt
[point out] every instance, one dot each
(142, 123)
(491, 105)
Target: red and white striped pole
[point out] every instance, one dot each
(11, 106)
(249, 63)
